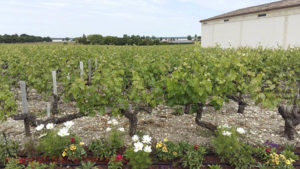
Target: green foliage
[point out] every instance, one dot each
(290, 155)
(260, 153)
(101, 148)
(87, 165)
(262, 166)
(289, 147)
(52, 165)
(169, 151)
(36, 165)
(280, 161)
(8, 105)
(134, 77)
(138, 160)
(114, 163)
(74, 151)
(23, 38)
(14, 164)
(112, 40)
(228, 147)
(194, 157)
(8, 149)
(53, 145)
(108, 147)
(214, 167)
(31, 148)
(115, 139)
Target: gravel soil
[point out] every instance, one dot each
(260, 124)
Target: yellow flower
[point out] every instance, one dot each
(175, 153)
(283, 157)
(166, 140)
(292, 160)
(81, 143)
(72, 147)
(64, 154)
(159, 145)
(276, 162)
(66, 149)
(288, 162)
(164, 149)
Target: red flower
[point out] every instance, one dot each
(268, 150)
(196, 146)
(119, 157)
(72, 140)
(7, 159)
(22, 160)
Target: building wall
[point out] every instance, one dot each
(293, 31)
(280, 28)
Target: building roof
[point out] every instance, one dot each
(260, 8)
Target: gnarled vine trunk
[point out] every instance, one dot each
(241, 102)
(133, 120)
(291, 116)
(187, 109)
(31, 120)
(201, 123)
(131, 115)
(242, 106)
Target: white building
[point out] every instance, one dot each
(271, 25)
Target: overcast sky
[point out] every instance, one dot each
(71, 18)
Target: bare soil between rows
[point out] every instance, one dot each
(260, 124)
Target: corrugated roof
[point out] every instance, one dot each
(260, 8)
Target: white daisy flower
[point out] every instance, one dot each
(49, 126)
(135, 138)
(146, 139)
(108, 129)
(224, 126)
(121, 129)
(147, 149)
(63, 132)
(226, 133)
(138, 146)
(240, 130)
(69, 124)
(40, 127)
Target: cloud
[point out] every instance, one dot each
(60, 18)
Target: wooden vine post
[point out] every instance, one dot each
(96, 63)
(90, 72)
(55, 96)
(25, 108)
(48, 110)
(81, 68)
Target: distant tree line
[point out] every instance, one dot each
(23, 38)
(113, 40)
